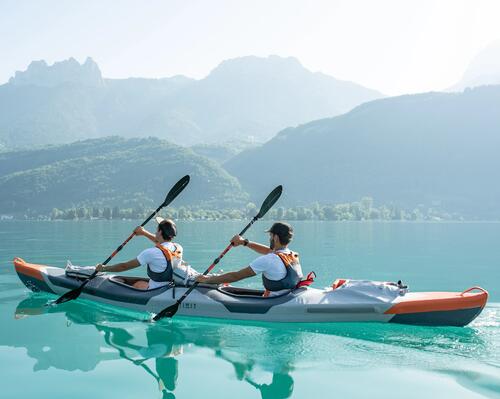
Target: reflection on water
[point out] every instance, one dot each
(164, 342)
(82, 350)
(264, 356)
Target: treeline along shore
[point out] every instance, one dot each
(363, 210)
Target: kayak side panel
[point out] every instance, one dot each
(125, 294)
(257, 305)
(34, 284)
(458, 317)
(102, 287)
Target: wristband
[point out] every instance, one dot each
(245, 242)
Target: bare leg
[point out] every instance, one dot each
(141, 284)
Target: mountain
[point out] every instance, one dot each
(247, 98)
(435, 149)
(223, 152)
(484, 69)
(64, 72)
(67, 101)
(108, 172)
(253, 98)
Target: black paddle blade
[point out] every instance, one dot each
(69, 296)
(270, 201)
(167, 312)
(175, 190)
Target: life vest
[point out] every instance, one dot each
(291, 279)
(167, 274)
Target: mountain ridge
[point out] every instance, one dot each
(39, 73)
(248, 97)
(483, 70)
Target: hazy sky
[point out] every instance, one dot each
(394, 46)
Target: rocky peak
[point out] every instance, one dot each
(39, 73)
(253, 65)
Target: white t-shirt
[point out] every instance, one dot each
(157, 262)
(272, 266)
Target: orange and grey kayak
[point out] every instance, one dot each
(345, 301)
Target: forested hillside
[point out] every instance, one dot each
(434, 149)
(111, 172)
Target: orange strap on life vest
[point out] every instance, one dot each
(288, 259)
(168, 253)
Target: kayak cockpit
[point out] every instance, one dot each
(129, 281)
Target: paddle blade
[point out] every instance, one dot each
(270, 201)
(167, 312)
(69, 296)
(176, 190)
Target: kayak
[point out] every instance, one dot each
(345, 301)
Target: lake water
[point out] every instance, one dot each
(81, 350)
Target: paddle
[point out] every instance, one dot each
(266, 205)
(172, 194)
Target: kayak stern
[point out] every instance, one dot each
(439, 308)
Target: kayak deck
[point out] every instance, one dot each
(301, 305)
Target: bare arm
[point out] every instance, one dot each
(119, 267)
(141, 231)
(259, 248)
(230, 277)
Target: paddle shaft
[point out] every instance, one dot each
(217, 260)
(132, 235)
(120, 247)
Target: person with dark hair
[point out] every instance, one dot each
(280, 267)
(161, 261)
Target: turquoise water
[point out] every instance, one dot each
(82, 350)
